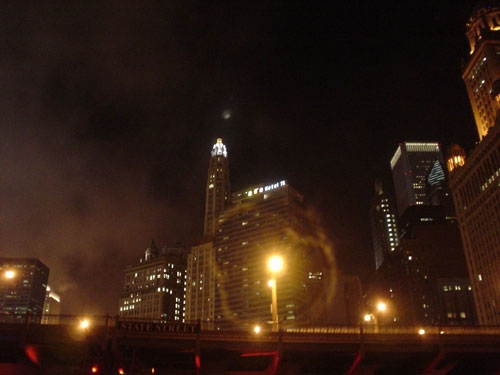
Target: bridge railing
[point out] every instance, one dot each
(59, 319)
(110, 322)
(398, 330)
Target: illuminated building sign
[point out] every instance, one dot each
(263, 189)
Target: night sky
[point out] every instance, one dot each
(108, 114)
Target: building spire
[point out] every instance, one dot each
(217, 193)
(219, 149)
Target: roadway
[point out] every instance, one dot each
(314, 350)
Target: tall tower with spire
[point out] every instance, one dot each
(483, 67)
(217, 194)
(475, 182)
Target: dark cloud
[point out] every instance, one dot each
(107, 114)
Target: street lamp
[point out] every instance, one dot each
(84, 324)
(275, 265)
(10, 274)
(256, 329)
(381, 307)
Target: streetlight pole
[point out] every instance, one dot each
(275, 265)
(274, 305)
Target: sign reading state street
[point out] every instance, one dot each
(156, 327)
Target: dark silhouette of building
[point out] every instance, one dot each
(383, 223)
(431, 253)
(425, 278)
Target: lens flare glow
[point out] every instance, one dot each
(381, 306)
(275, 263)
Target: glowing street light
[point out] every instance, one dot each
(381, 307)
(256, 329)
(421, 331)
(275, 265)
(84, 324)
(10, 274)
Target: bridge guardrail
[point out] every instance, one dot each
(111, 322)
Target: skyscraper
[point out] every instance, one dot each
(200, 293)
(200, 287)
(411, 165)
(385, 237)
(217, 193)
(264, 220)
(23, 282)
(483, 70)
(155, 287)
(475, 182)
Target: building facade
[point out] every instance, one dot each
(385, 237)
(264, 220)
(22, 289)
(476, 192)
(200, 292)
(217, 191)
(155, 287)
(475, 182)
(425, 279)
(483, 69)
(410, 166)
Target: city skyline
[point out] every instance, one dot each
(105, 140)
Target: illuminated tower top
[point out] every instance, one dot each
(483, 67)
(219, 149)
(217, 194)
(484, 21)
(455, 157)
(410, 165)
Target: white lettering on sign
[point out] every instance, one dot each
(259, 190)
